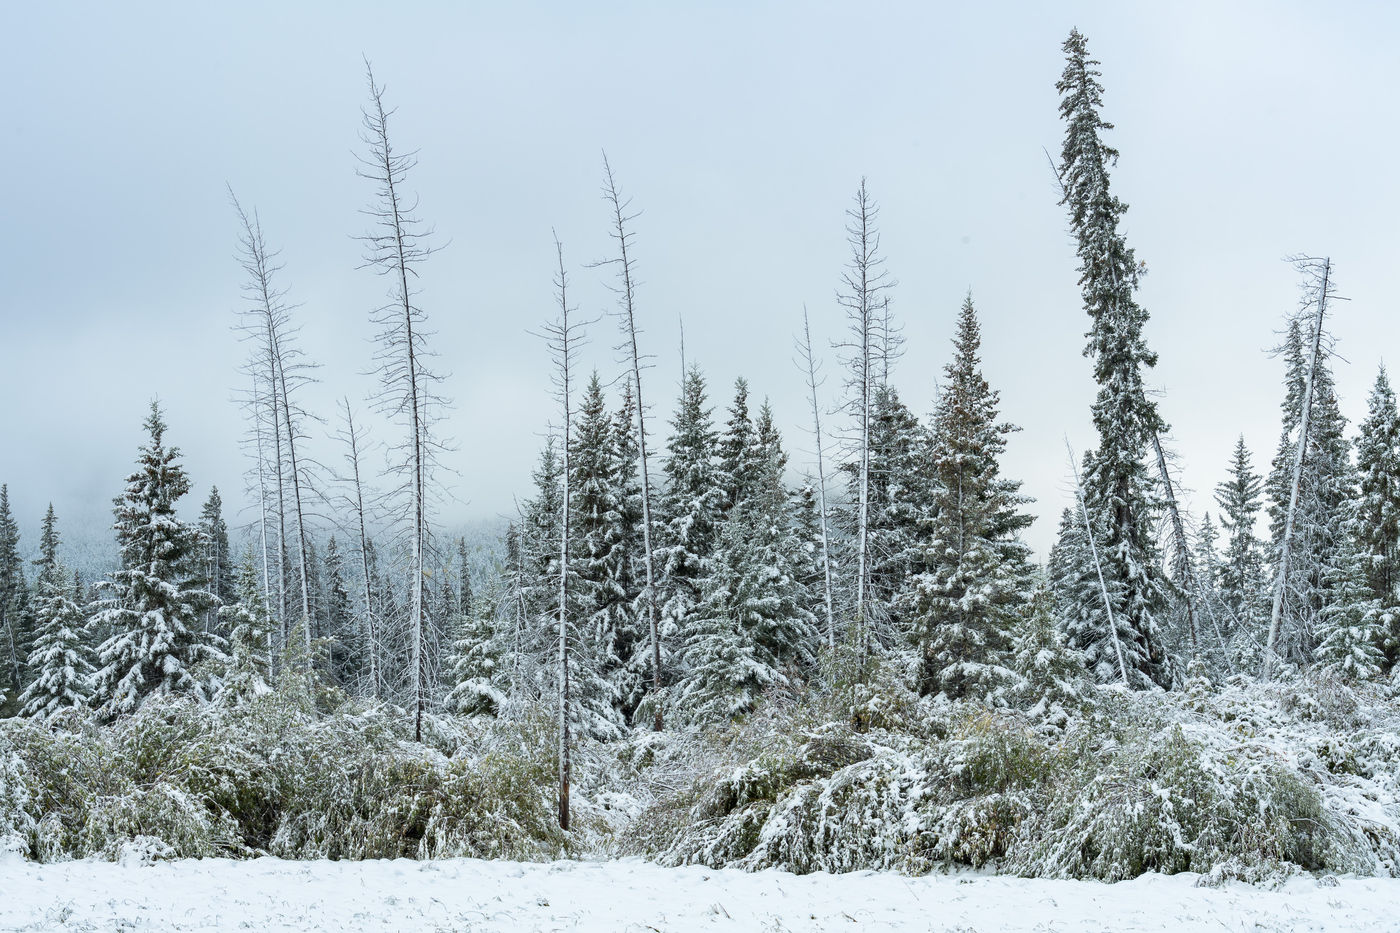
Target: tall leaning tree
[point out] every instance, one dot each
(1118, 489)
(279, 370)
(395, 247)
(626, 289)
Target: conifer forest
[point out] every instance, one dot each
(707, 633)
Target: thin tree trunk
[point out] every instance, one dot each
(1184, 569)
(629, 333)
(561, 337)
(810, 365)
(1098, 568)
(359, 505)
(394, 248)
(1281, 580)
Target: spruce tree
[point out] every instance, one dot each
(251, 627)
(752, 627)
(1118, 490)
(15, 625)
(1350, 631)
(344, 650)
(692, 508)
(1378, 511)
(60, 659)
(597, 528)
(628, 622)
(1241, 572)
(1051, 675)
(973, 571)
(157, 596)
(737, 448)
(218, 567)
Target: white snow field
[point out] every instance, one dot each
(632, 895)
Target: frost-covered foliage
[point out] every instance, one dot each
(157, 595)
(1252, 781)
(271, 775)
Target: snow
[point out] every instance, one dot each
(632, 895)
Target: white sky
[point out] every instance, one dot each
(1248, 132)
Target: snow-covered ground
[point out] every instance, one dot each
(630, 895)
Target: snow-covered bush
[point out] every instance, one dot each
(1252, 777)
(273, 775)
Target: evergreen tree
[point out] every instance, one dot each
(1325, 497)
(60, 658)
(627, 623)
(692, 508)
(1241, 573)
(973, 571)
(345, 653)
(157, 594)
(597, 520)
(15, 625)
(1118, 491)
(898, 507)
(738, 448)
(1051, 674)
(1378, 518)
(218, 568)
(752, 628)
(251, 627)
(1350, 630)
(476, 675)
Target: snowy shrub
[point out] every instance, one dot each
(181, 824)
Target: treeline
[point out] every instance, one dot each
(634, 590)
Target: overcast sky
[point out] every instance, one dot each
(1247, 131)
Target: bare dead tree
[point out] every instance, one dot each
(562, 337)
(864, 284)
(808, 363)
(1318, 291)
(626, 290)
(396, 245)
(354, 440)
(287, 371)
(284, 370)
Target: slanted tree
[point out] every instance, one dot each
(973, 571)
(1378, 511)
(1119, 492)
(280, 369)
(60, 659)
(808, 362)
(396, 247)
(370, 623)
(626, 289)
(1312, 483)
(157, 594)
